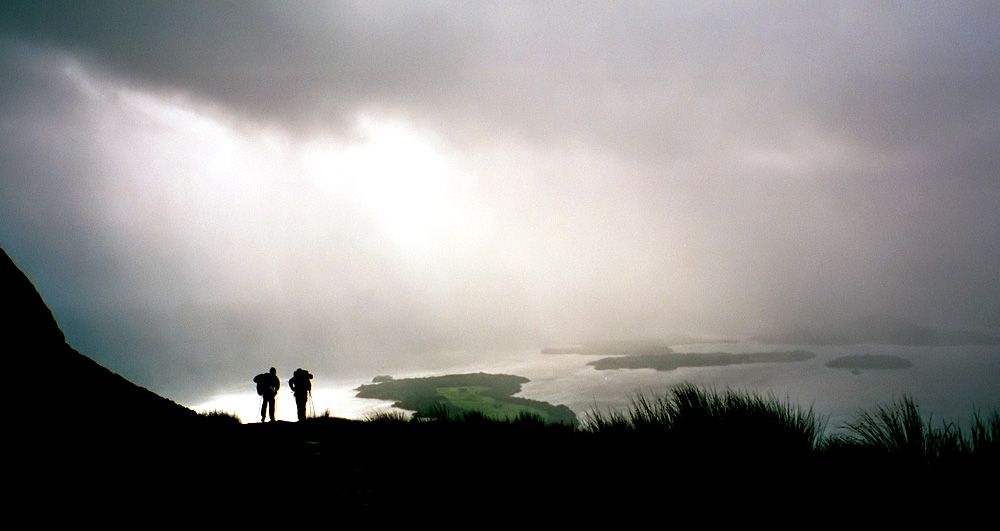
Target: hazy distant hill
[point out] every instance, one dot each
(883, 330)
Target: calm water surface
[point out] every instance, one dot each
(947, 382)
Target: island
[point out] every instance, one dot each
(869, 361)
(459, 394)
(632, 347)
(669, 362)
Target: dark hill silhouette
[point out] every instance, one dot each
(82, 434)
(58, 381)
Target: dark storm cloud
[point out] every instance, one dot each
(309, 64)
(639, 168)
(654, 76)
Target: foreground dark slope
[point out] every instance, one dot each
(59, 382)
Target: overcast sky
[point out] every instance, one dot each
(201, 190)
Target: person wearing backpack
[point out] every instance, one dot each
(301, 386)
(267, 387)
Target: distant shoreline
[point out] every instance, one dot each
(669, 362)
(626, 348)
(869, 362)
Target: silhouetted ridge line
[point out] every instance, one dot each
(65, 389)
(28, 318)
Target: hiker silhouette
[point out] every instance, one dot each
(301, 386)
(267, 387)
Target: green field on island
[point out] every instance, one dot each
(456, 395)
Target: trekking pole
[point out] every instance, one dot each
(312, 404)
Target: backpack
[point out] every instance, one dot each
(264, 383)
(301, 378)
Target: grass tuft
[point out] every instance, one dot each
(707, 420)
(899, 431)
(985, 434)
(387, 416)
(748, 431)
(222, 417)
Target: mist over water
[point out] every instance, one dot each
(948, 383)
